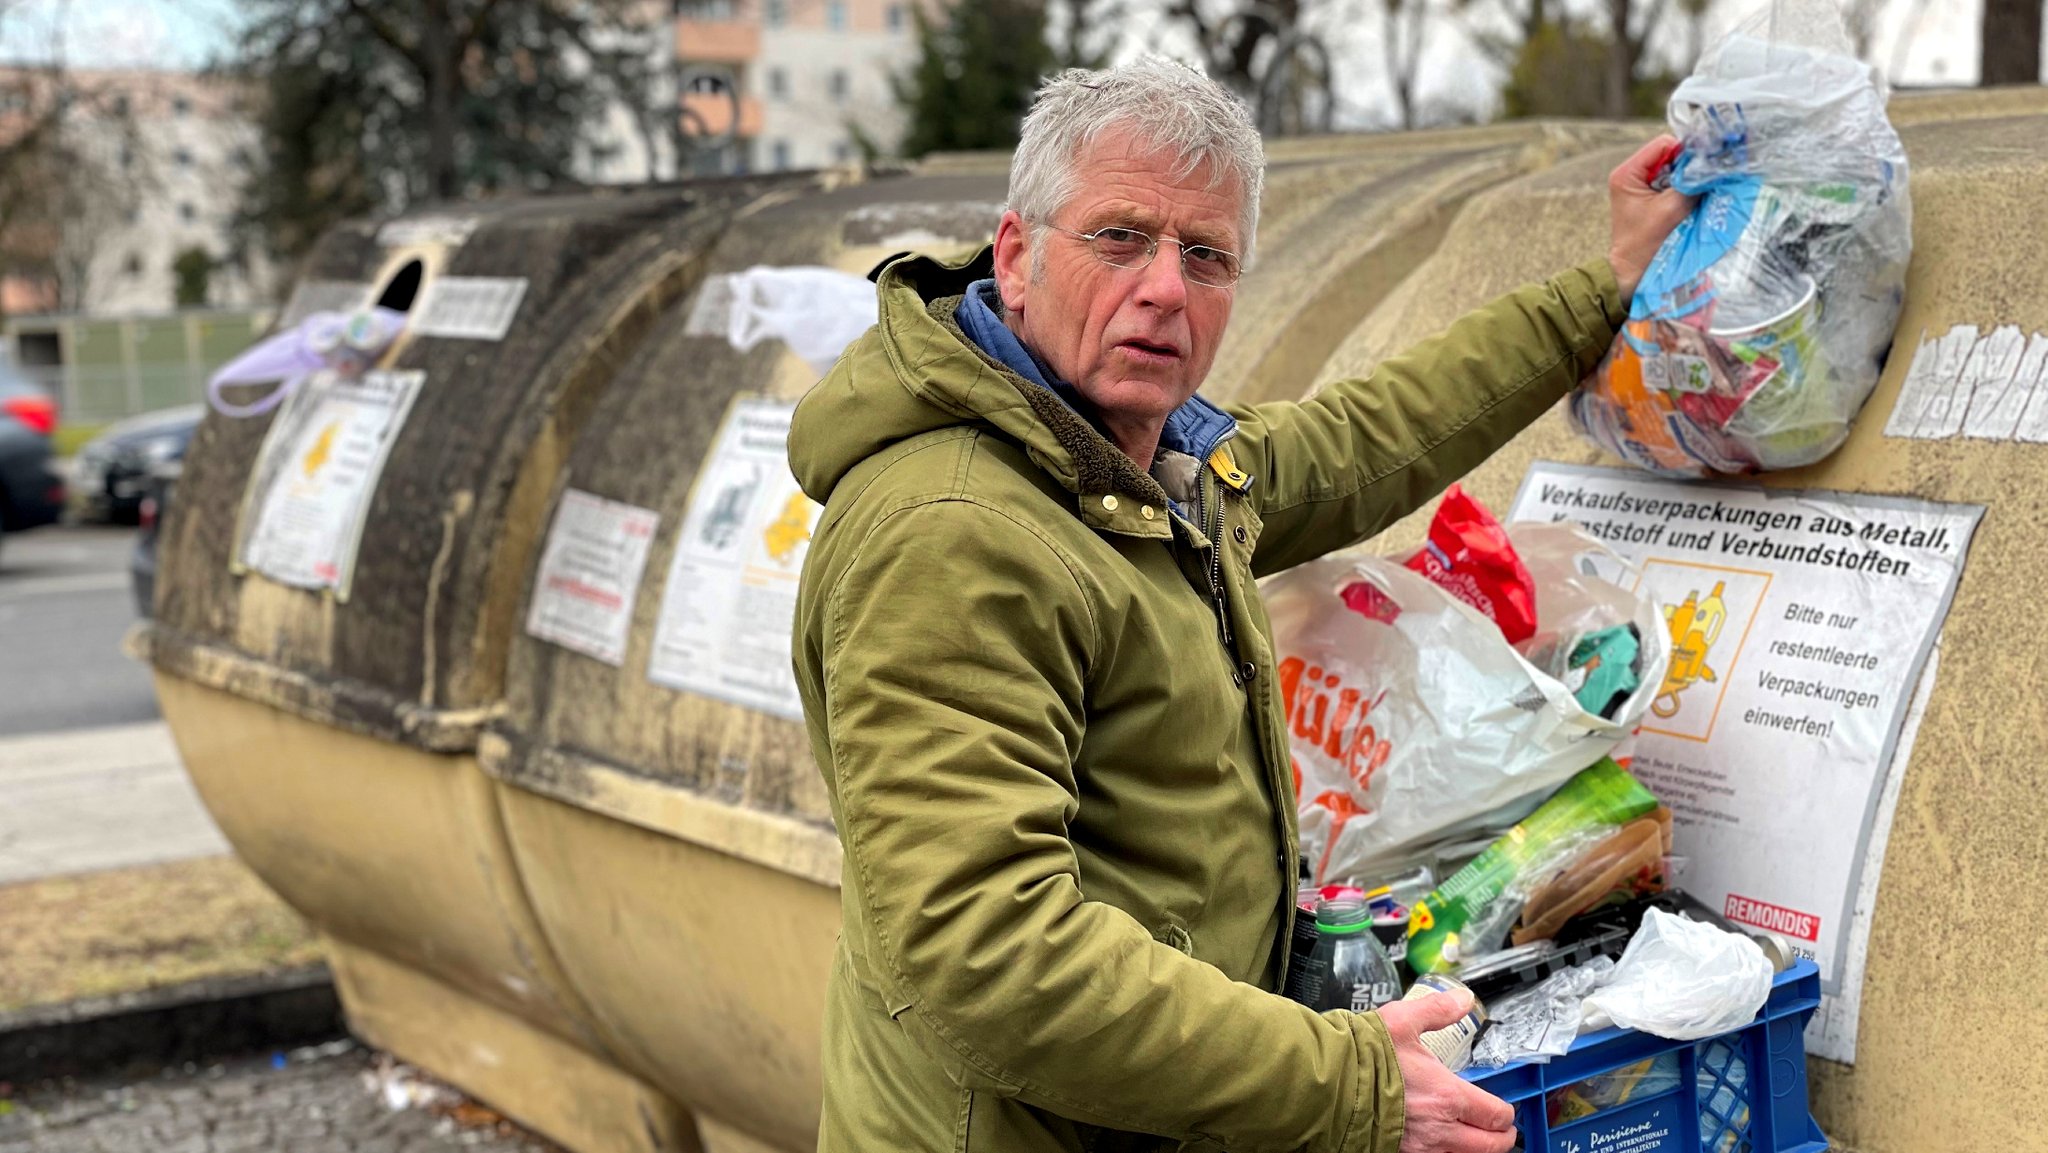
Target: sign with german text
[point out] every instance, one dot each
(1800, 623)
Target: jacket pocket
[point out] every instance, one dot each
(1175, 934)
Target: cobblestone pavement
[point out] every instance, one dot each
(334, 1099)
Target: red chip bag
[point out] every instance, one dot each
(1469, 557)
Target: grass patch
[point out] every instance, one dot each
(69, 438)
(127, 929)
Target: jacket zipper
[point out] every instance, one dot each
(1214, 530)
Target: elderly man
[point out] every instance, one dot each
(1039, 680)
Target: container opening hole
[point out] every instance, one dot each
(402, 288)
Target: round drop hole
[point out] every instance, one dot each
(404, 285)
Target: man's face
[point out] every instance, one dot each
(1135, 342)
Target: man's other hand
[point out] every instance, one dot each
(1445, 1113)
(1643, 215)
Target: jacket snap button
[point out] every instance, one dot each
(1147, 512)
(1238, 532)
(1109, 502)
(1249, 672)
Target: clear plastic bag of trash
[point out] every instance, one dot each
(1682, 980)
(1762, 325)
(1541, 1022)
(1413, 722)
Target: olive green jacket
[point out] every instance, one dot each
(1058, 770)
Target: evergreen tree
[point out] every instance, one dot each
(372, 105)
(978, 64)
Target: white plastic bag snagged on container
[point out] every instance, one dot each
(1682, 980)
(1411, 731)
(816, 311)
(1760, 328)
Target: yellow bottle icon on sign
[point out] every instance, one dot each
(1695, 626)
(323, 448)
(789, 530)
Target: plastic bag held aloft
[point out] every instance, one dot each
(1761, 327)
(1412, 720)
(1683, 980)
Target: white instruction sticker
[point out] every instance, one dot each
(1800, 624)
(450, 230)
(730, 601)
(310, 492)
(1983, 386)
(469, 307)
(590, 575)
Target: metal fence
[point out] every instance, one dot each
(104, 368)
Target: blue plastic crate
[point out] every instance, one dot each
(1620, 1091)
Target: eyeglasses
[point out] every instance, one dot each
(1130, 248)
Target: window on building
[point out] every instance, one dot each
(187, 213)
(895, 18)
(842, 152)
(780, 152)
(121, 106)
(778, 84)
(180, 106)
(838, 84)
(835, 15)
(133, 265)
(704, 9)
(775, 13)
(182, 157)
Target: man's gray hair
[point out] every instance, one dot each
(1169, 106)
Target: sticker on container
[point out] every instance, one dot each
(1800, 623)
(448, 230)
(590, 575)
(316, 473)
(311, 296)
(730, 601)
(469, 307)
(1988, 386)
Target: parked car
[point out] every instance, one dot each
(156, 501)
(111, 475)
(31, 495)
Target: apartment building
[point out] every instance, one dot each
(812, 79)
(160, 158)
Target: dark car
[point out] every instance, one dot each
(112, 472)
(30, 494)
(156, 501)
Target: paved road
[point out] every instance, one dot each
(325, 1102)
(64, 605)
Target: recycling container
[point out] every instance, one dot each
(338, 579)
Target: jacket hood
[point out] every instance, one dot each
(916, 372)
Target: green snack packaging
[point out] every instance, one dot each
(1588, 806)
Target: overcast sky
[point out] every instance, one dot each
(1939, 45)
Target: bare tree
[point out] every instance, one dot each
(59, 197)
(1630, 24)
(2009, 42)
(1084, 31)
(1269, 53)
(1404, 28)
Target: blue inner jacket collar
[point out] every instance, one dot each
(1196, 428)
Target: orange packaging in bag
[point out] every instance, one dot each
(1468, 555)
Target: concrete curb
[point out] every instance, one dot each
(187, 1022)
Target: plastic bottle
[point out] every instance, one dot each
(1347, 968)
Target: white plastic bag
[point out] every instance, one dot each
(1410, 732)
(1682, 980)
(816, 311)
(1762, 325)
